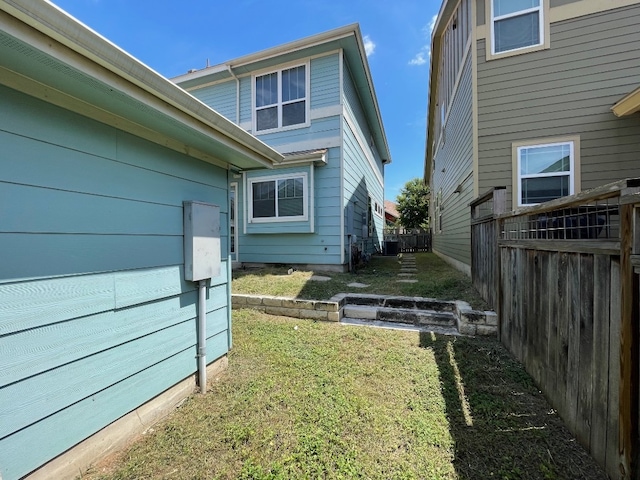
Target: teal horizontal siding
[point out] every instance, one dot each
(325, 81)
(42, 342)
(95, 315)
(44, 255)
(323, 128)
(221, 97)
(30, 447)
(245, 99)
(360, 183)
(28, 161)
(55, 389)
(43, 210)
(275, 244)
(22, 304)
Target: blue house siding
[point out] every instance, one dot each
(220, 97)
(271, 242)
(323, 131)
(325, 81)
(363, 171)
(95, 316)
(245, 102)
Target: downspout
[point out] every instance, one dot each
(202, 335)
(237, 93)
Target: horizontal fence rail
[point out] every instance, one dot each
(403, 240)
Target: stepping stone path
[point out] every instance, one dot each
(407, 268)
(319, 278)
(357, 285)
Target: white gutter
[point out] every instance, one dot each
(286, 48)
(57, 24)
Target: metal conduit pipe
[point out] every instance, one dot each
(202, 336)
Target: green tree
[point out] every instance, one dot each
(413, 204)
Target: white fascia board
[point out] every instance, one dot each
(55, 23)
(277, 51)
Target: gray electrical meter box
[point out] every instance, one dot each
(201, 241)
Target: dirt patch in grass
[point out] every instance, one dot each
(332, 401)
(435, 279)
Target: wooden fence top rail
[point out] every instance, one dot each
(610, 190)
(488, 195)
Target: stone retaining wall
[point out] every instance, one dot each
(468, 321)
(290, 307)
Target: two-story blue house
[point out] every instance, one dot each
(312, 100)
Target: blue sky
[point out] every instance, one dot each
(174, 36)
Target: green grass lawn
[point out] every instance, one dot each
(339, 402)
(436, 279)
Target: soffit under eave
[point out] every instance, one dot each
(628, 104)
(102, 100)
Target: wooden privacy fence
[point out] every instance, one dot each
(484, 242)
(399, 240)
(564, 279)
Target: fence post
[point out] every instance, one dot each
(628, 402)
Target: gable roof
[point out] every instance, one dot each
(347, 38)
(391, 208)
(49, 54)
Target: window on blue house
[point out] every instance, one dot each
(278, 199)
(281, 99)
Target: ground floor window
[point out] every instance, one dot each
(278, 198)
(545, 171)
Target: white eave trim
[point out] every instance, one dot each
(47, 18)
(627, 105)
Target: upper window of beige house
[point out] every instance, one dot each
(516, 24)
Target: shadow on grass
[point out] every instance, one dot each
(501, 424)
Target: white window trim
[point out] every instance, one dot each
(377, 208)
(543, 9)
(275, 178)
(307, 99)
(574, 173)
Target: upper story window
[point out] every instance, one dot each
(545, 172)
(282, 199)
(281, 99)
(516, 24)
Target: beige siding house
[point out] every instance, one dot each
(538, 96)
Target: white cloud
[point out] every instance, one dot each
(369, 45)
(431, 25)
(424, 54)
(420, 59)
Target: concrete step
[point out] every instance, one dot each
(410, 316)
(400, 326)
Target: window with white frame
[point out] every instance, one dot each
(516, 24)
(545, 172)
(278, 198)
(280, 99)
